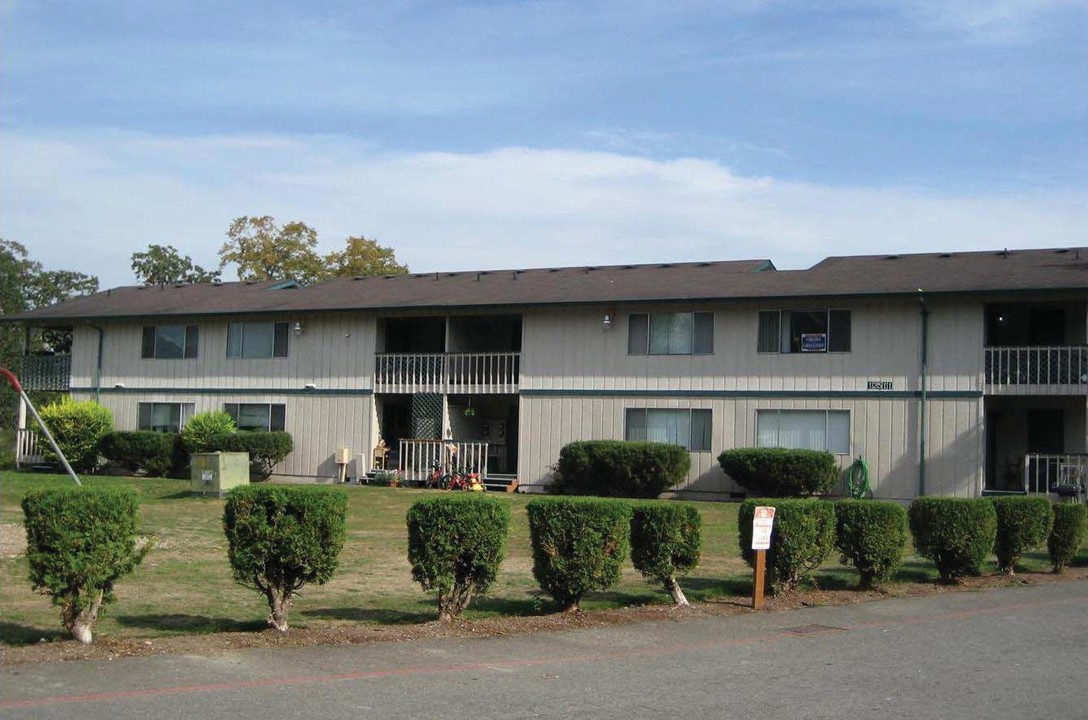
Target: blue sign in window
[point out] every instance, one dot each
(813, 342)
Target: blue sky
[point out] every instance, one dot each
(525, 134)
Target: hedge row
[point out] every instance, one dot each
(84, 432)
(958, 535)
(281, 538)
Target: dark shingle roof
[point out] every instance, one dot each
(872, 275)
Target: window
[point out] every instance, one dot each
(257, 340)
(804, 429)
(690, 428)
(163, 417)
(257, 416)
(803, 331)
(670, 333)
(170, 342)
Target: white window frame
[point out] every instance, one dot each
(690, 444)
(184, 411)
(269, 416)
(640, 338)
(236, 340)
(764, 430)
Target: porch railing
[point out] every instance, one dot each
(418, 459)
(496, 373)
(51, 373)
(1037, 365)
(26, 448)
(1044, 473)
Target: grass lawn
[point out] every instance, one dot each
(184, 586)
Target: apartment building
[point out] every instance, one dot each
(951, 374)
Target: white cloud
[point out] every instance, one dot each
(87, 202)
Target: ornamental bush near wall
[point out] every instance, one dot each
(666, 541)
(455, 546)
(579, 544)
(1070, 528)
(1023, 523)
(957, 534)
(80, 542)
(155, 453)
(871, 535)
(282, 538)
(78, 427)
(619, 468)
(204, 431)
(266, 449)
(802, 539)
(780, 472)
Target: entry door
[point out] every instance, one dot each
(1046, 431)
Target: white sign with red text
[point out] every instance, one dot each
(762, 522)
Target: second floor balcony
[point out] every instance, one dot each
(1061, 370)
(46, 373)
(461, 373)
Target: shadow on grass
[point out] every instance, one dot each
(180, 622)
(15, 635)
(535, 604)
(378, 617)
(704, 589)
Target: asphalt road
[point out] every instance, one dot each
(1010, 653)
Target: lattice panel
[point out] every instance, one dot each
(427, 416)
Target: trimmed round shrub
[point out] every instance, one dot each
(579, 544)
(957, 534)
(871, 535)
(1023, 523)
(618, 468)
(204, 431)
(455, 546)
(802, 538)
(666, 539)
(80, 542)
(781, 472)
(156, 453)
(1067, 535)
(266, 449)
(78, 427)
(281, 538)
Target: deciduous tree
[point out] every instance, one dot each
(164, 265)
(262, 249)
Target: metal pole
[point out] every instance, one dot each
(922, 409)
(41, 423)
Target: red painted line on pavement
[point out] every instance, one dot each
(654, 651)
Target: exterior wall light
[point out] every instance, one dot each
(298, 328)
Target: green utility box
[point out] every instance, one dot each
(219, 471)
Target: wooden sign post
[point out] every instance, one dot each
(762, 523)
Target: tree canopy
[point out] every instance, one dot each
(25, 284)
(164, 265)
(262, 249)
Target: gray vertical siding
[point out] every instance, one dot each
(884, 432)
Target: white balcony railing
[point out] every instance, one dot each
(1010, 366)
(26, 448)
(417, 460)
(495, 373)
(1052, 473)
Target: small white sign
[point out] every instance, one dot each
(207, 476)
(762, 522)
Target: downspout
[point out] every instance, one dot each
(98, 364)
(924, 311)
